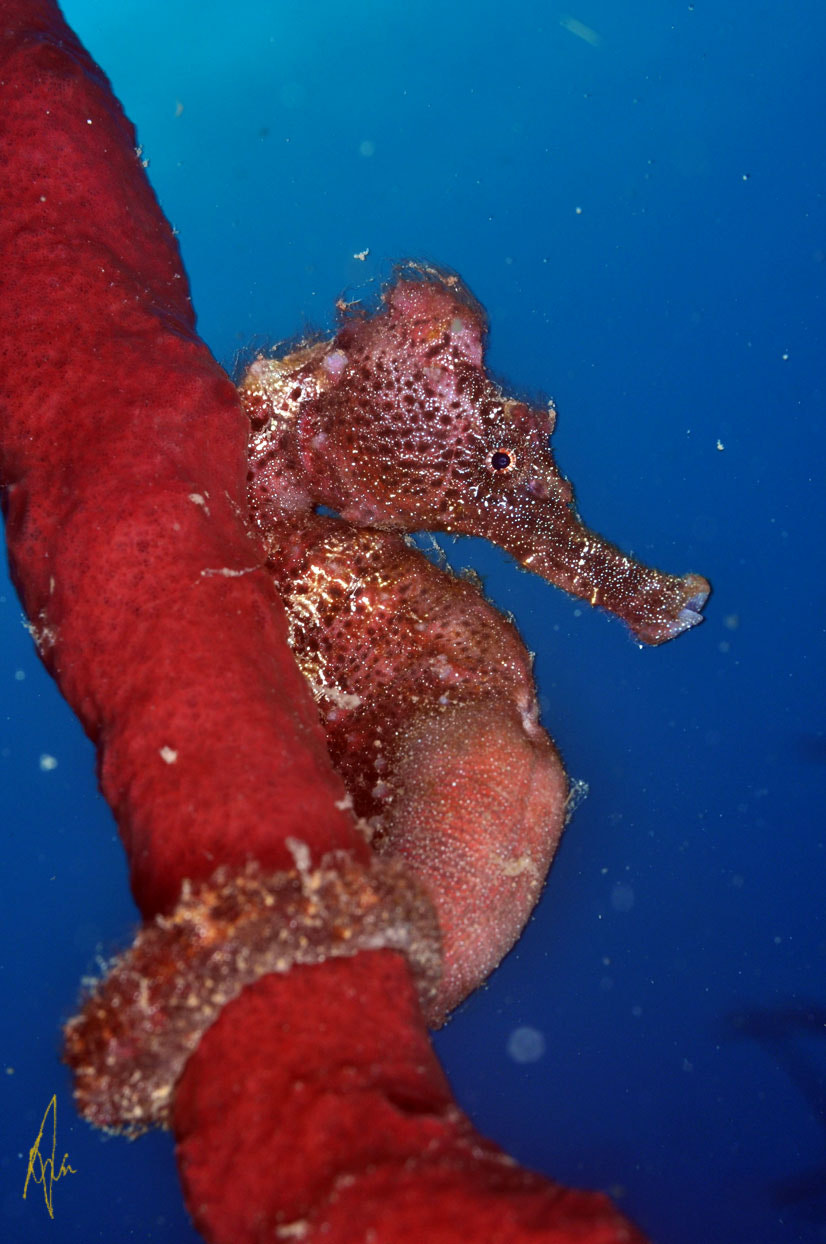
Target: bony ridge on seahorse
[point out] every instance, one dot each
(424, 689)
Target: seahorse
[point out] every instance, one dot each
(425, 690)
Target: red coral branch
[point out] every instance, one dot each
(357, 1126)
(124, 465)
(313, 1107)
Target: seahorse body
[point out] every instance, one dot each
(424, 689)
(426, 694)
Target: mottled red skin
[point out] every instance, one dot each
(423, 688)
(427, 698)
(122, 455)
(401, 427)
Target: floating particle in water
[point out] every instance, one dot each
(526, 1045)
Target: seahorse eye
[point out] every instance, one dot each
(501, 460)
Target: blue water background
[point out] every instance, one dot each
(639, 203)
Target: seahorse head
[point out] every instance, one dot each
(395, 423)
(410, 432)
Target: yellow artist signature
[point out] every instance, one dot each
(38, 1165)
